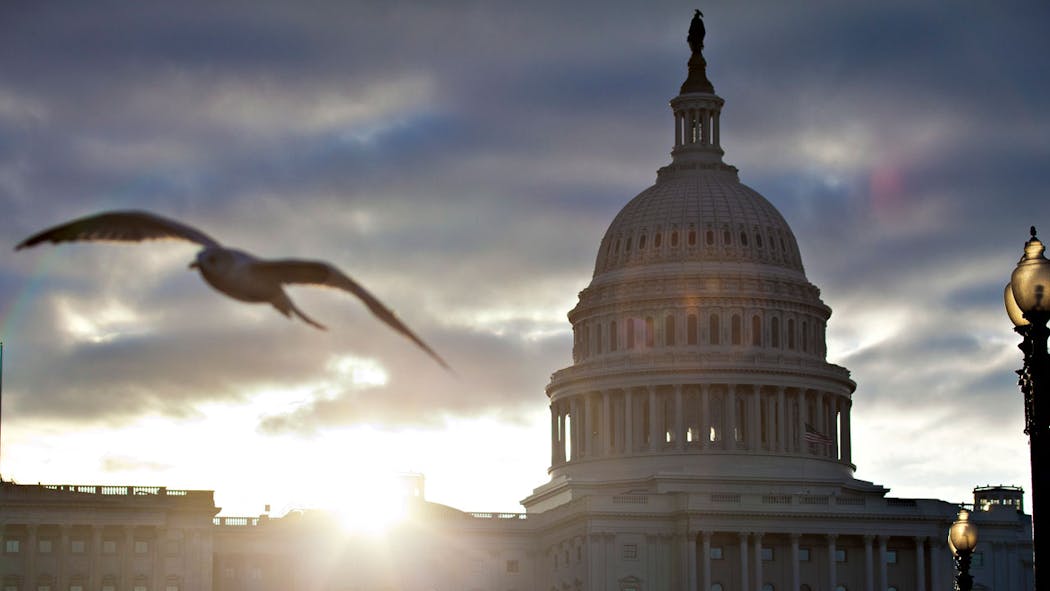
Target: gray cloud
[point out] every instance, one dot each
(463, 161)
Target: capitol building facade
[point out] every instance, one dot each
(700, 440)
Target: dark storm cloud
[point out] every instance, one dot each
(465, 160)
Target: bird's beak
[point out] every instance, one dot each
(194, 265)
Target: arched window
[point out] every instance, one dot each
(613, 336)
(650, 334)
(674, 239)
(774, 330)
(714, 329)
(692, 237)
(727, 237)
(630, 333)
(791, 333)
(627, 246)
(669, 331)
(691, 329)
(743, 238)
(758, 240)
(598, 338)
(657, 240)
(805, 336)
(709, 238)
(768, 587)
(736, 329)
(716, 586)
(641, 242)
(756, 330)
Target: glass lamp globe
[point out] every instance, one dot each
(1030, 281)
(962, 536)
(1012, 309)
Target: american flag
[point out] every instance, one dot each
(814, 436)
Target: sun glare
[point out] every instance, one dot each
(369, 505)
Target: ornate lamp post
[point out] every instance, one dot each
(1027, 298)
(962, 539)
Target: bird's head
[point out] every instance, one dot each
(212, 260)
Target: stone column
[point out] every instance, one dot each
(920, 563)
(833, 432)
(63, 554)
(800, 443)
(573, 450)
(729, 439)
(691, 557)
(869, 564)
(706, 560)
(705, 420)
(628, 421)
(782, 423)
(818, 421)
(743, 561)
(937, 551)
(95, 576)
(754, 419)
(594, 562)
(652, 419)
(607, 424)
(796, 575)
(701, 127)
(832, 565)
(883, 570)
(32, 549)
(553, 434)
(756, 541)
(679, 436)
(160, 535)
(128, 548)
(847, 443)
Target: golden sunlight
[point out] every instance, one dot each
(369, 505)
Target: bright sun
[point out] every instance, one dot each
(371, 506)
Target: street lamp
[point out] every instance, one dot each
(962, 539)
(1027, 299)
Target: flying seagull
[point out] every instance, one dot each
(233, 272)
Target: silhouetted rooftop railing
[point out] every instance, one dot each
(111, 490)
(236, 521)
(499, 515)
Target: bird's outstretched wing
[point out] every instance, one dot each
(321, 273)
(120, 226)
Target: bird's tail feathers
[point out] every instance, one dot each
(286, 307)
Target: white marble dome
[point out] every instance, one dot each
(691, 216)
(699, 345)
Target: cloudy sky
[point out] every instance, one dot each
(462, 160)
